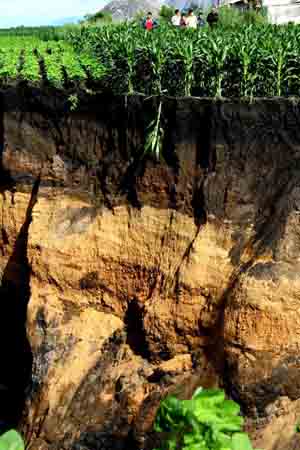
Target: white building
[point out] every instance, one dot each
(279, 11)
(283, 11)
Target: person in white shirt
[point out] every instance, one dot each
(191, 20)
(176, 19)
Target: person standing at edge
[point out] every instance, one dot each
(200, 20)
(149, 23)
(176, 19)
(257, 6)
(191, 20)
(183, 20)
(213, 17)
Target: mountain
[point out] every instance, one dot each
(127, 9)
(199, 3)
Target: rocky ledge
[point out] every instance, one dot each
(124, 278)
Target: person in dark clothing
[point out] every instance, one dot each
(183, 20)
(200, 20)
(213, 17)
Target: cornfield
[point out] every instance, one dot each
(257, 60)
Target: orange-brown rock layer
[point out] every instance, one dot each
(140, 277)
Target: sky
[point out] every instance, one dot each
(43, 12)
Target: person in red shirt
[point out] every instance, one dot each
(149, 23)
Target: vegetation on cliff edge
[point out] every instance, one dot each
(253, 60)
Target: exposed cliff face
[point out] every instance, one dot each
(143, 278)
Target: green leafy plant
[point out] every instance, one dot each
(11, 440)
(73, 101)
(206, 422)
(154, 136)
(30, 70)
(51, 59)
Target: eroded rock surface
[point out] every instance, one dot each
(146, 277)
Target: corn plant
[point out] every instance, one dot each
(277, 68)
(95, 71)
(9, 64)
(53, 70)
(71, 64)
(154, 135)
(50, 55)
(185, 49)
(30, 70)
(127, 50)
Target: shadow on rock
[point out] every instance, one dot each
(15, 352)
